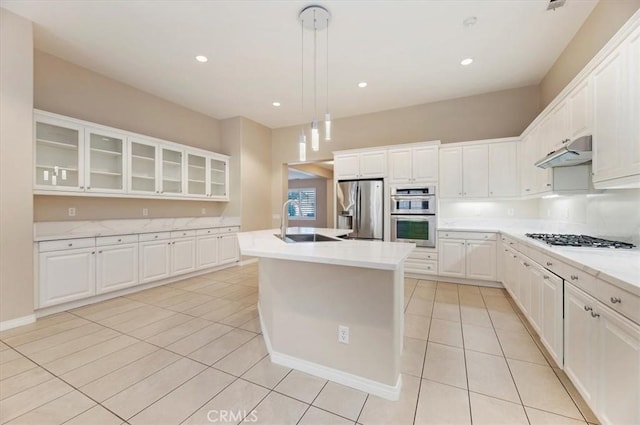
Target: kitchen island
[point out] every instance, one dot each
(310, 290)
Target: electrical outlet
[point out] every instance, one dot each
(145, 212)
(72, 212)
(510, 212)
(343, 334)
(203, 211)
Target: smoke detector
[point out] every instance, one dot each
(554, 4)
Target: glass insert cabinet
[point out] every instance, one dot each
(78, 157)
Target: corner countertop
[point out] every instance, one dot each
(619, 267)
(57, 230)
(348, 252)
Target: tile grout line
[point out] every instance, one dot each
(464, 355)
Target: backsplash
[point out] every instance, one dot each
(611, 214)
(492, 209)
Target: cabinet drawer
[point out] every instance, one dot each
(547, 262)
(182, 234)
(116, 240)
(145, 237)
(205, 232)
(233, 229)
(423, 254)
(66, 244)
(619, 300)
(578, 278)
(483, 236)
(419, 266)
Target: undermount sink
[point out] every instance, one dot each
(306, 237)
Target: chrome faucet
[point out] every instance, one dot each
(285, 217)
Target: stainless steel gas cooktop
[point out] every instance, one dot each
(578, 240)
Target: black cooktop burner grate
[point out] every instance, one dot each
(578, 240)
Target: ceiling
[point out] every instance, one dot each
(408, 52)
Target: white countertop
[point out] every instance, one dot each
(57, 230)
(354, 253)
(620, 267)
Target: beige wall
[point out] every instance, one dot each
(16, 200)
(605, 20)
(231, 133)
(500, 114)
(256, 176)
(68, 89)
(320, 185)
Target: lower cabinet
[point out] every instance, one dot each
(602, 357)
(116, 267)
(228, 249)
(66, 275)
(155, 260)
(467, 255)
(183, 254)
(74, 269)
(422, 261)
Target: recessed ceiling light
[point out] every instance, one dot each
(362, 84)
(201, 58)
(276, 104)
(467, 61)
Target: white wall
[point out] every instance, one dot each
(521, 209)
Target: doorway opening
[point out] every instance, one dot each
(311, 184)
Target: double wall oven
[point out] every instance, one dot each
(413, 215)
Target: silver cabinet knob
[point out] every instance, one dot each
(99, 252)
(527, 264)
(549, 263)
(616, 300)
(545, 277)
(594, 314)
(81, 187)
(119, 240)
(70, 244)
(574, 277)
(587, 308)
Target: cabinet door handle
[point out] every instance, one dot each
(155, 237)
(574, 277)
(93, 252)
(70, 244)
(526, 264)
(99, 252)
(81, 187)
(616, 300)
(549, 263)
(594, 314)
(587, 308)
(545, 277)
(119, 240)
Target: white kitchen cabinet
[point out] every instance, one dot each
(481, 260)
(66, 275)
(59, 154)
(78, 156)
(207, 249)
(580, 341)
(526, 160)
(154, 260)
(467, 255)
(616, 117)
(618, 381)
(228, 248)
(464, 172)
(422, 261)
(580, 111)
(413, 165)
(602, 357)
(143, 167)
(452, 257)
(171, 171)
(105, 161)
(549, 286)
(543, 144)
(503, 170)
(360, 165)
(183, 254)
(535, 311)
(524, 290)
(116, 267)
(450, 181)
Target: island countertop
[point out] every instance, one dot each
(348, 252)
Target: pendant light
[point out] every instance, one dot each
(316, 18)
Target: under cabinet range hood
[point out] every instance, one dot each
(568, 153)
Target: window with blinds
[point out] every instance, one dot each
(307, 204)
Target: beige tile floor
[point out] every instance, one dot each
(192, 353)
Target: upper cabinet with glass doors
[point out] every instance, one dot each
(77, 156)
(207, 176)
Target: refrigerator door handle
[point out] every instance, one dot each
(356, 224)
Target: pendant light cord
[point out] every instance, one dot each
(327, 65)
(315, 66)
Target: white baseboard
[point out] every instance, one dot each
(370, 386)
(19, 321)
(474, 282)
(248, 260)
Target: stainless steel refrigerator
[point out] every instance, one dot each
(359, 205)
